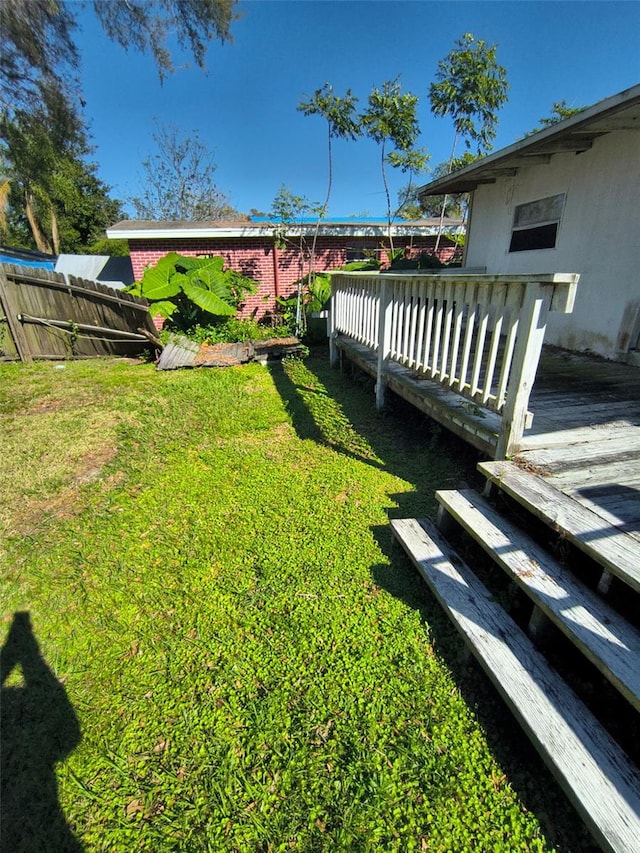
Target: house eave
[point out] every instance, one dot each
(133, 230)
(575, 134)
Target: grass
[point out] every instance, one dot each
(223, 650)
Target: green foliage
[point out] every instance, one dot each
(233, 330)
(338, 112)
(40, 38)
(56, 201)
(391, 120)
(252, 665)
(559, 112)
(423, 261)
(192, 291)
(471, 88)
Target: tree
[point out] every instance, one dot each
(342, 122)
(559, 112)
(289, 210)
(40, 94)
(390, 120)
(340, 116)
(471, 88)
(178, 181)
(39, 38)
(56, 201)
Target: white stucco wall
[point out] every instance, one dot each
(598, 237)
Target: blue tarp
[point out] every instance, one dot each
(21, 262)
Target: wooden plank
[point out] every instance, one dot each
(595, 773)
(613, 550)
(561, 438)
(57, 280)
(594, 627)
(593, 475)
(614, 448)
(11, 310)
(526, 356)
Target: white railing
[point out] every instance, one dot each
(478, 335)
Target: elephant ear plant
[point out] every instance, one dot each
(192, 291)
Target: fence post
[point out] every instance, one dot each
(531, 329)
(385, 305)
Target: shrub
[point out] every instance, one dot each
(192, 291)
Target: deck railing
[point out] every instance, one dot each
(478, 335)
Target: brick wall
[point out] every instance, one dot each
(275, 269)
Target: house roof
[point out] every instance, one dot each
(572, 135)
(132, 229)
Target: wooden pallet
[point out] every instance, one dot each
(590, 766)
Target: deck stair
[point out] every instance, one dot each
(610, 547)
(605, 637)
(599, 778)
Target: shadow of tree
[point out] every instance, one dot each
(39, 729)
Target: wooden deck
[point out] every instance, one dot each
(585, 436)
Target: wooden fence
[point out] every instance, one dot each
(46, 315)
(477, 335)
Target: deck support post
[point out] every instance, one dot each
(331, 327)
(447, 525)
(604, 584)
(523, 372)
(539, 627)
(385, 307)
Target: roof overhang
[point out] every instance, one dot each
(572, 135)
(131, 229)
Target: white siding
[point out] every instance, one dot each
(599, 237)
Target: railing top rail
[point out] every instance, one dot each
(489, 278)
(562, 286)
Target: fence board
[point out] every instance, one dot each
(53, 316)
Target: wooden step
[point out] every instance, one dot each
(601, 634)
(597, 776)
(612, 549)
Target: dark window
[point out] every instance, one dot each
(539, 237)
(361, 253)
(535, 224)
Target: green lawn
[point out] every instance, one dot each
(226, 652)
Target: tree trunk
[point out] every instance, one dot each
(41, 241)
(55, 233)
(444, 200)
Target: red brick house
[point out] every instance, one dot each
(251, 247)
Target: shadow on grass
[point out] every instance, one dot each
(404, 443)
(39, 729)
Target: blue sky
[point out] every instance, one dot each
(244, 108)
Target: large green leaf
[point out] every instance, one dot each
(207, 299)
(164, 308)
(188, 263)
(214, 280)
(157, 283)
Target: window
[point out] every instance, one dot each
(361, 253)
(535, 224)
